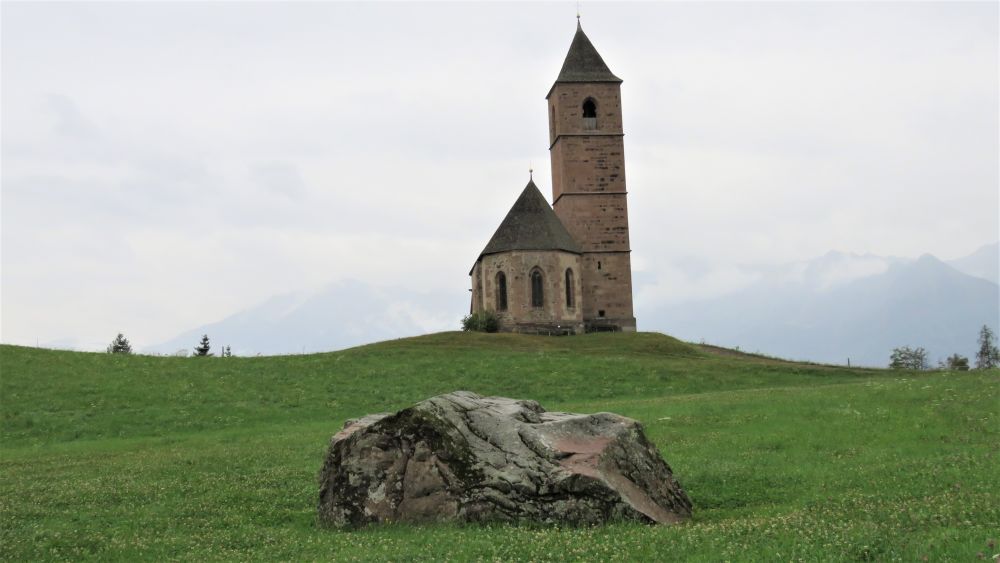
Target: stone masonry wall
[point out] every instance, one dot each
(598, 222)
(607, 287)
(520, 315)
(589, 193)
(477, 287)
(566, 108)
(584, 158)
(587, 164)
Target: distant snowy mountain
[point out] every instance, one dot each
(983, 263)
(828, 271)
(841, 307)
(337, 316)
(829, 309)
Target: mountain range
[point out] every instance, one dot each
(338, 315)
(983, 263)
(837, 308)
(844, 308)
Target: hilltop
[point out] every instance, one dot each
(143, 457)
(64, 396)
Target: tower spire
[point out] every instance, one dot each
(583, 63)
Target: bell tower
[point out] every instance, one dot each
(588, 181)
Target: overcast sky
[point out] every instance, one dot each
(165, 165)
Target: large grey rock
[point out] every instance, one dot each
(467, 458)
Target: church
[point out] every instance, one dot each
(566, 268)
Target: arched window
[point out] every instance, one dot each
(589, 114)
(569, 289)
(501, 291)
(537, 292)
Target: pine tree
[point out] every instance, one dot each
(120, 345)
(988, 355)
(203, 348)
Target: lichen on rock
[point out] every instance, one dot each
(467, 458)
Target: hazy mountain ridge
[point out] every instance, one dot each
(983, 263)
(922, 302)
(339, 315)
(829, 309)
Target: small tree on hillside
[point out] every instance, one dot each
(956, 362)
(905, 357)
(202, 348)
(988, 355)
(120, 345)
(227, 352)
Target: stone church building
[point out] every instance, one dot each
(565, 268)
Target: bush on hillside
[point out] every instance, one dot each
(955, 362)
(481, 321)
(908, 358)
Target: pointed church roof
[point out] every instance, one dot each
(583, 63)
(531, 224)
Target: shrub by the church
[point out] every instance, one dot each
(480, 321)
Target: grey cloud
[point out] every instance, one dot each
(69, 120)
(279, 177)
(224, 153)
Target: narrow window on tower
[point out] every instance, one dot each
(537, 297)
(569, 289)
(501, 292)
(589, 114)
(598, 264)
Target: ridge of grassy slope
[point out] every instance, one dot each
(139, 457)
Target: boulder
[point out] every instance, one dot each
(467, 458)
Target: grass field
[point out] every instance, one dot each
(133, 457)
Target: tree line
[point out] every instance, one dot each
(987, 356)
(121, 345)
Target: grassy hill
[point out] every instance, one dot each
(114, 457)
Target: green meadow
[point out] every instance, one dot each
(138, 457)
